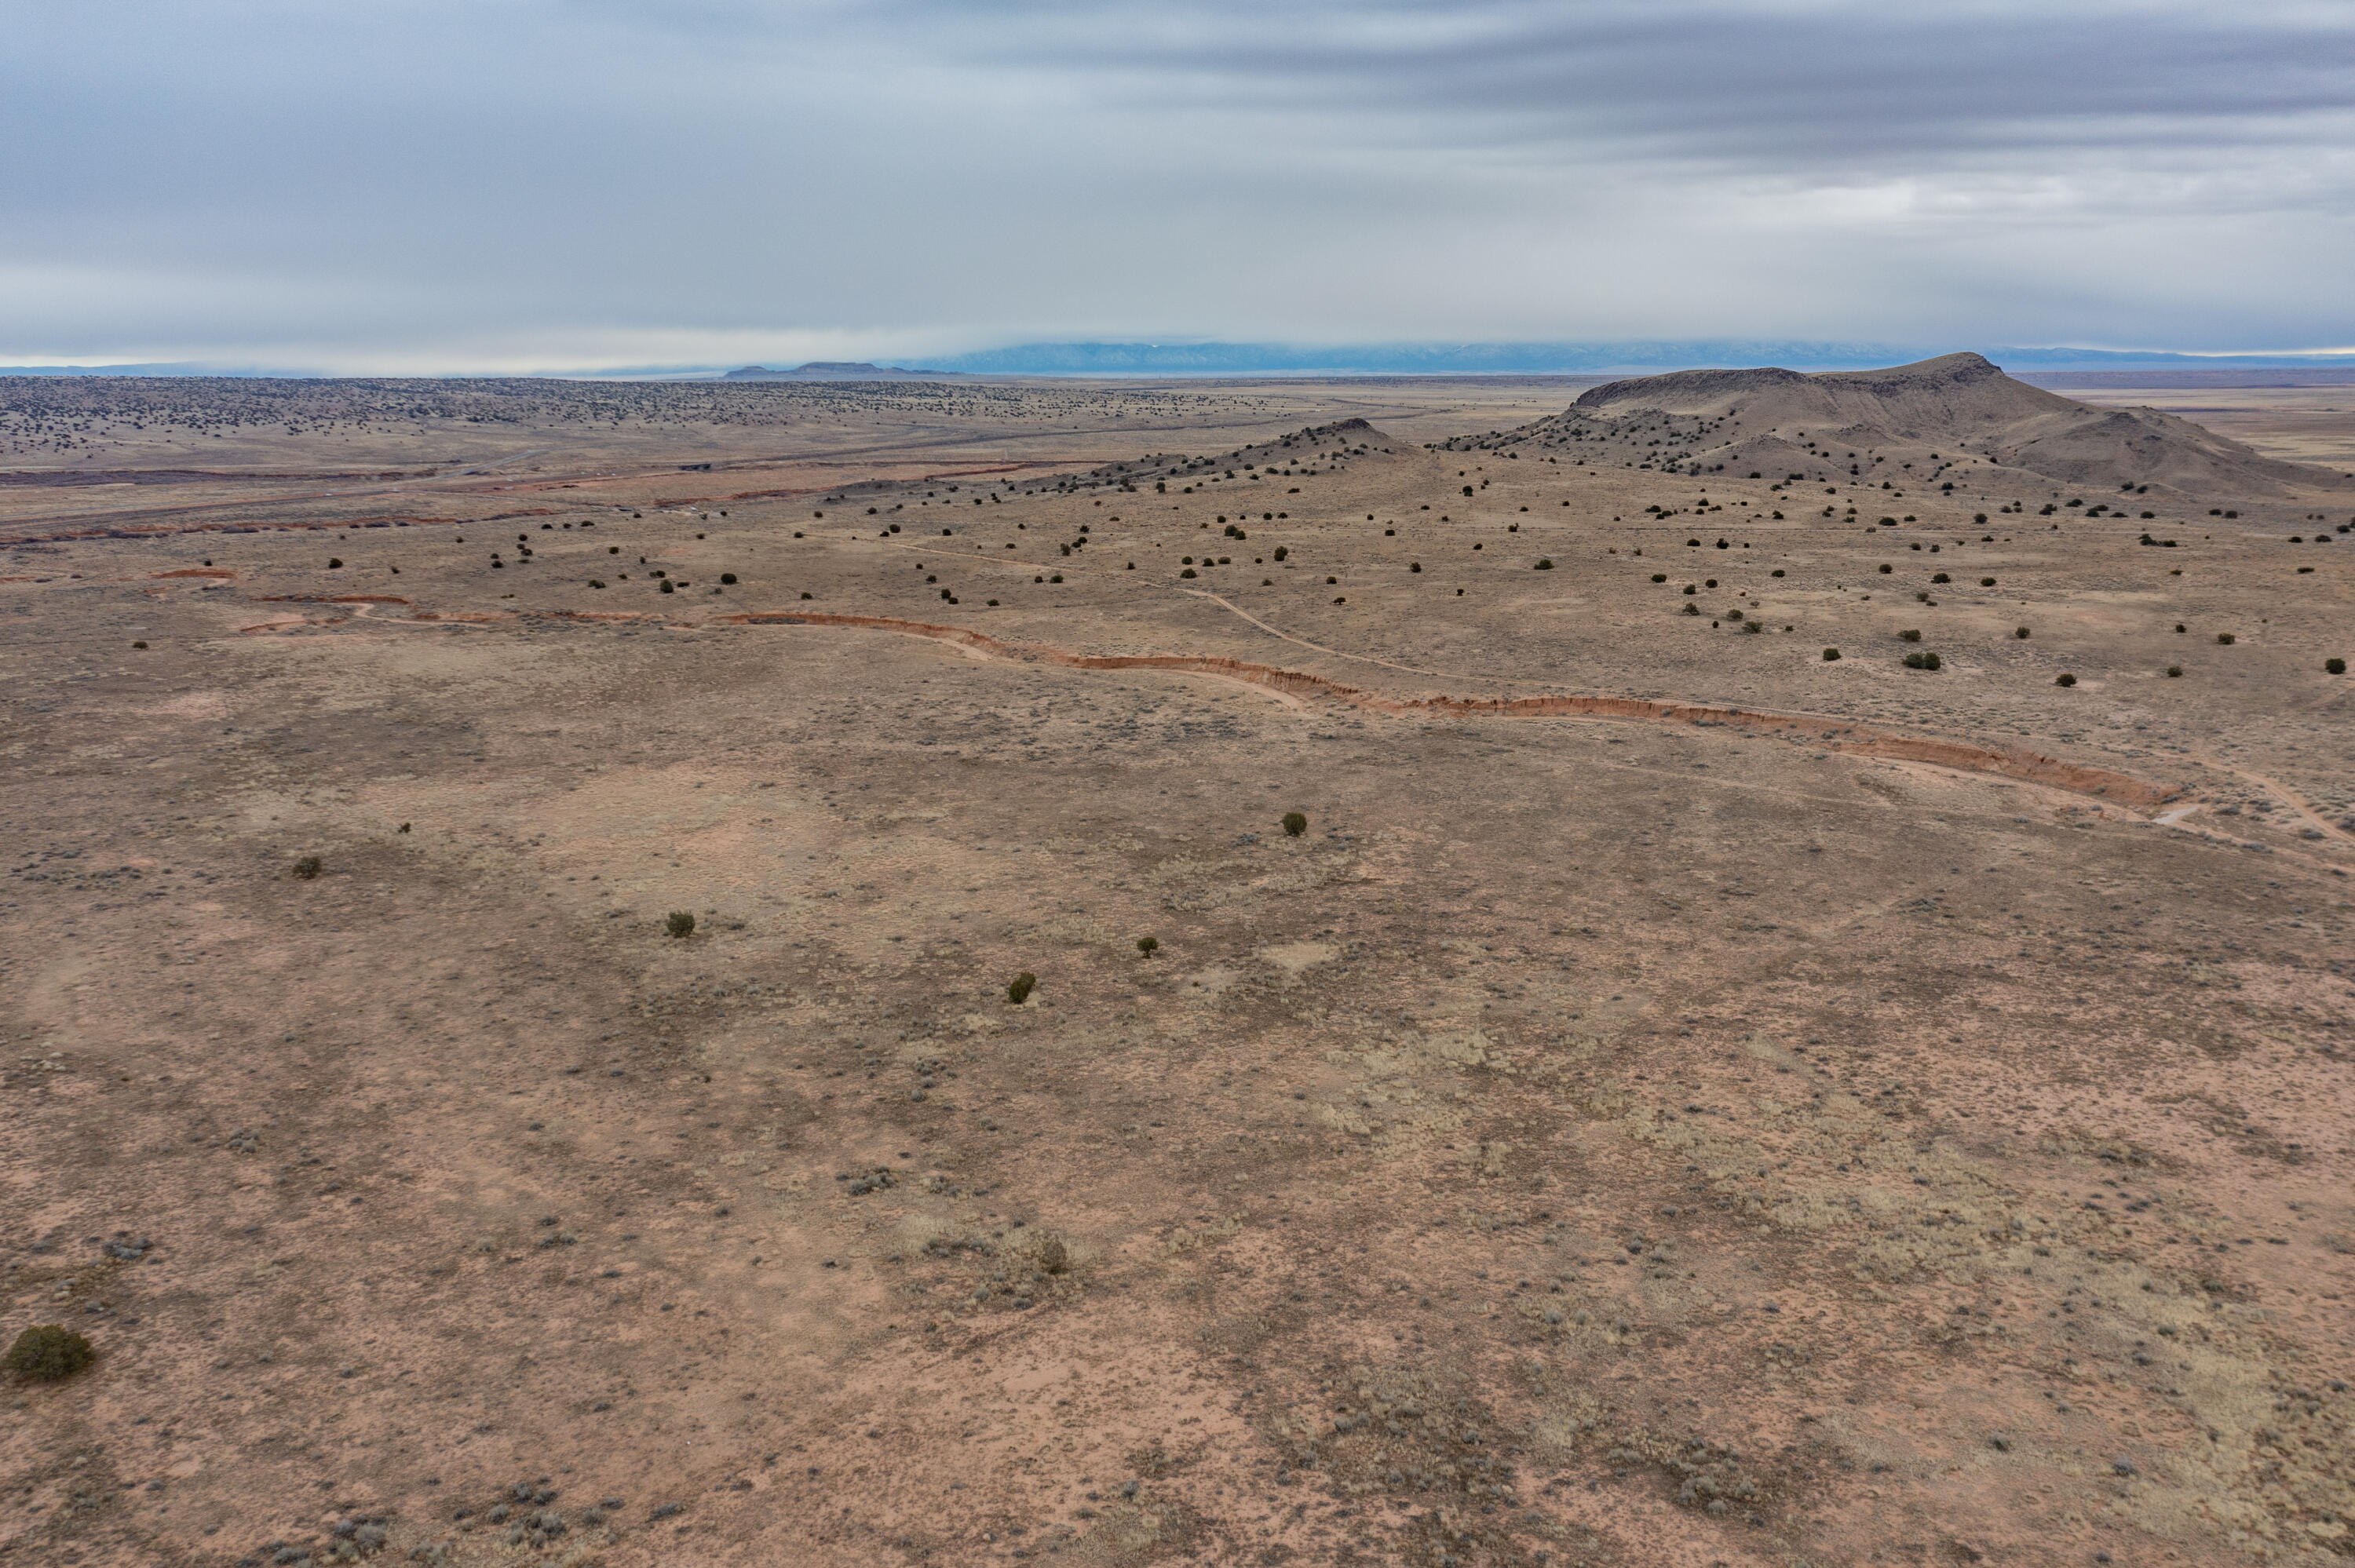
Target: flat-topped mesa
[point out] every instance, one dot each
(1703, 390)
(831, 370)
(1958, 420)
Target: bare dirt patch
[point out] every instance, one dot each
(1678, 1099)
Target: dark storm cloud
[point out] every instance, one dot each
(579, 181)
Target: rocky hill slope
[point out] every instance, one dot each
(1956, 422)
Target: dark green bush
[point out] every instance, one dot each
(2225, 638)
(681, 923)
(307, 867)
(1986, 582)
(2334, 666)
(1911, 634)
(2064, 680)
(49, 1353)
(1921, 661)
(1941, 577)
(1545, 563)
(1018, 990)
(1659, 577)
(1148, 944)
(2174, 672)
(1282, 551)
(1294, 824)
(1830, 655)
(1886, 569)
(2021, 634)
(729, 578)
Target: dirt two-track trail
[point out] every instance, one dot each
(1426, 973)
(2132, 793)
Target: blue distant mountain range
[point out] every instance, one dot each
(1625, 358)
(1547, 358)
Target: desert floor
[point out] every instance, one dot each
(1787, 1111)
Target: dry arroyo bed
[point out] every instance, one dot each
(1678, 1100)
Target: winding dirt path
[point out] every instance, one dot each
(2115, 788)
(1236, 610)
(2163, 804)
(2305, 810)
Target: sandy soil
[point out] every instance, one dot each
(1682, 1100)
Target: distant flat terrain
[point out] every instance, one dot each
(1672, 1096)
(2312, 424)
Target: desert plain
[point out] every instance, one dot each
(1678, 1098)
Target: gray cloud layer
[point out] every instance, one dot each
(541, 183)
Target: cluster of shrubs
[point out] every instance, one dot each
(49, 1352)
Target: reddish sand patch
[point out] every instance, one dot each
(168, 530)
(288, 624)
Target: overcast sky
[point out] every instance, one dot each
(425, 185)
